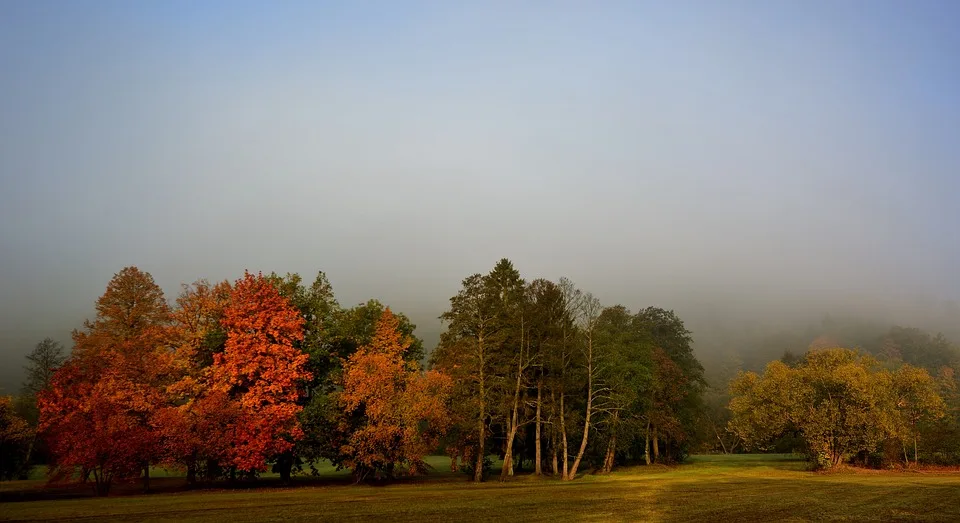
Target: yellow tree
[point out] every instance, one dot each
(836, 398)
(917, 401)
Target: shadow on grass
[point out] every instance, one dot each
(170, 482)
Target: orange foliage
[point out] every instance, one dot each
(196, 424)
(403, 413)
(261, 370)
(97, 413)
(198, 313)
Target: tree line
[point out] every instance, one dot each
(269, 372)
(544, 373)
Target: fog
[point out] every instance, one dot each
(735, 161)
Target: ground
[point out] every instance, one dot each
(708, 488)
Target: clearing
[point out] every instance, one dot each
(707, 488)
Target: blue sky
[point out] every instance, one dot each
(655, 152)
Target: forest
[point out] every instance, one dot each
(271, 373)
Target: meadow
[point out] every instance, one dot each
(706, 488)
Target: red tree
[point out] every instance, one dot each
(97, 414)
(262, 371)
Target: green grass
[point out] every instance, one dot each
(708, 488)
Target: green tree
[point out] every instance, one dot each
(676, 401)
(467, 353)
(627, 374)
(547, 318)
(43, 363)
(915, 347)
(512, 353)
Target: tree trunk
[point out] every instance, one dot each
(646, 444)
(612, 444)
(556, 465)
(481, 433)
(101, 482)
(192, 473)
(611, 452)
(916, 459)
(717, 432)
(285, 466)
(23, 472)
(586, 419)
(656, 445)
(537, 459)
(507, 469)
(563, 438)
(146, 477)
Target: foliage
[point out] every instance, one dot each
(840, 401)
(392, 414)
(15, 432)
(97, 413)
(262, 370)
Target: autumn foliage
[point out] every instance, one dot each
(98, 412)
(262, 370)
(215, 381)
(393, 414)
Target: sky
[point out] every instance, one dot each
(753, 158)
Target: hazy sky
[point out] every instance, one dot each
(664, 153)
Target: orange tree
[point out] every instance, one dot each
(262, 371)
(392, 414)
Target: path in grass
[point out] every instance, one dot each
(721, 488)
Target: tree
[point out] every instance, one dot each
(589, 316)
(355, 327)
(917, 401)
(511, 353)
(262, 369)
(626, 374)
(836, 399)
(94, 423)
(44, 361)
(195, 421)
(97, 413)
(666, 331)
(15, 432)
(466, 353)
(325, 345)
(392, 414)
(915, 347)
(546, 316)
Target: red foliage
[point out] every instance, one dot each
(261, 370)
(97, 414)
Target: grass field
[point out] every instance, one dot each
(708, 488)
